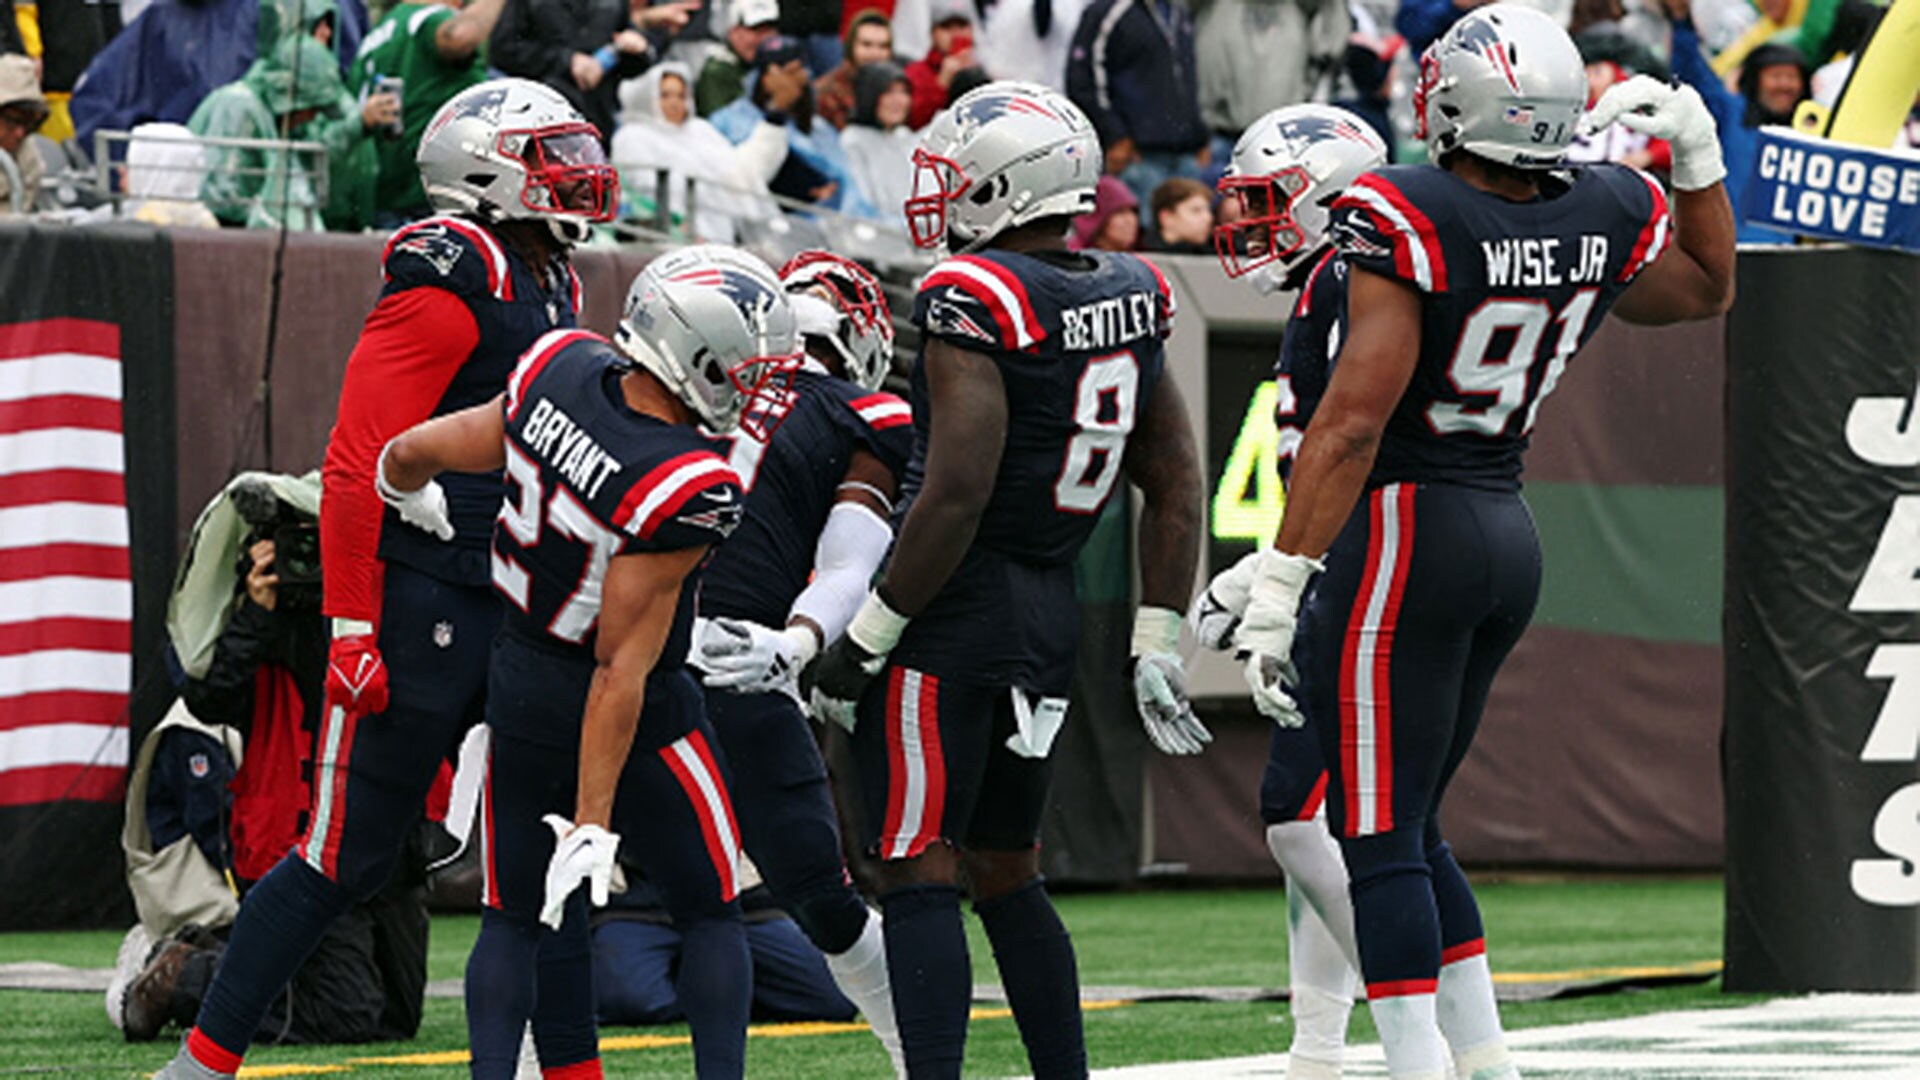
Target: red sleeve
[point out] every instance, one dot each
(407, 355)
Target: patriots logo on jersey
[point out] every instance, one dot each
(946, 317)
(1354, 235)
(721, 514)
(433, 245)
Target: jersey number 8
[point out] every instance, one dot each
(520, 516)
(1103, 410)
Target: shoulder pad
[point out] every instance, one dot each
(535, 360)
(687, 500)
(974, 300)
(1383, 223)
(448, 253)
(881, 410)
(884, 423)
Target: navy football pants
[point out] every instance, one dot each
(1426, 591)
(787, 816)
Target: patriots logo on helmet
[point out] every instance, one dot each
(1480, 35)
(1302, 131)
(748, 293)
(432, 244)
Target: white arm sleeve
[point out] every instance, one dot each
(850, 549)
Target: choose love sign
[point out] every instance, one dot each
(1814, 187)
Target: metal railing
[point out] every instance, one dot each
(110, 175)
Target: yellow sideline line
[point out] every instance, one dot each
(1698, 967)
(619, 1043)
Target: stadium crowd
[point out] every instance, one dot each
(814, 102)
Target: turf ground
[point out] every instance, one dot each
(1172, 938)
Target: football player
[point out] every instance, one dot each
(614, 498)
(1473, 281)
(517, 177)
(1039, 383)
(819, 499)
(1286, 170)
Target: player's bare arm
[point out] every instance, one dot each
(964, 444)
(457, 39)
(1694, 278)
(1164, 464)
(471, 440)
(1336, 454)
(636, 615)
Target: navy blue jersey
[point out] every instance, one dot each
(512, 303)
(590, 479)
(1509, 292)
(1078, 341)
(1308, 352)
(792, 483)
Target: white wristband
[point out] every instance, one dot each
(1155, 630)
(351, 628)
(876, 627)
(1282, 578)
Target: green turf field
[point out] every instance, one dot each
(1173, 938)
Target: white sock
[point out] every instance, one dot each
(1470, 1020)
(1310, 857)
(861, 974)
(1322, 990)
(1410, 1034)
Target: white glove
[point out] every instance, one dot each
(748, 658)
(580, 854)
(425, 509)
(1160, 684)
(1673, 113)
(1266, 632)
(1216, 612)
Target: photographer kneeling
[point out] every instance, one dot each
(206, 819)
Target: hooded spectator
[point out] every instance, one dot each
(1114, 222)
(951, 54)
(165, 168)
(22, 110)
(780, 92)
(659, 131)
(878, 143)
(868, 41)
(1773, 81)
(293, 93)
(723, 78)
(164, 64)
(582, 49)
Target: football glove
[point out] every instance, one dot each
(748, 658)
(1673, 113)
(356, 675)
(1160, 684)
(1216, 612)
(580, 854)
(424, 509)
(1266, 633)
(832, 684)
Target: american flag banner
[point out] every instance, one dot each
(66, 590)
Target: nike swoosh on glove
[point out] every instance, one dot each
(584, 853)
(356, 675)
(748, 658)
(1674, 113)
(1216, 612)
(1160, 684)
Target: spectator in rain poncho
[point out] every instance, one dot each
(877, 141)
(164, 172)
(294, 93)
(167, 60)
(659, 131)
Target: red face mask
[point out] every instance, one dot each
(765, 385)
(937, 181)
(567, 171)
(1267, 231)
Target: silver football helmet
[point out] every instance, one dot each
(714, 325)
(1505, 83)
(1004, 154)
(1286, 170)
(862, 327)
(514, 150)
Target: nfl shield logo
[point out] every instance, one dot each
(443, 634)
(199, 766)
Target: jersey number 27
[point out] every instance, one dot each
(521, 515)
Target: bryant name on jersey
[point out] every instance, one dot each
(553, 435)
